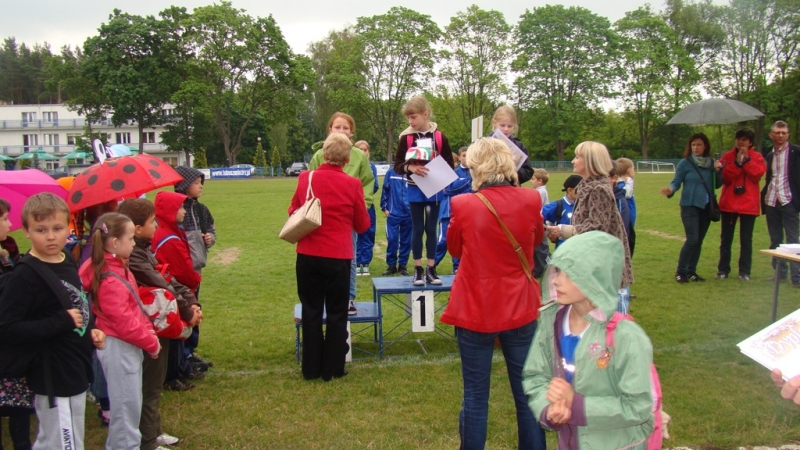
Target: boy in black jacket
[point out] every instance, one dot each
(31, 313)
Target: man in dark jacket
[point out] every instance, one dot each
(781, 195)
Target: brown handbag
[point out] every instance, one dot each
(517, 248)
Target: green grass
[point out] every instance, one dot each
(255, 398)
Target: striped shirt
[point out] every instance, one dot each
(778, 192)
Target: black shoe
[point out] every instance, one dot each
(696, 277)
(196, 374)
(682, 279)
(196, 359)
(431, 277)
(390, 271)
(351, 308)
(198, 363)
(419, 276)
(177, 385)
(403, 271)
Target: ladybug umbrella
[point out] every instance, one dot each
(116, 178)
(17, 185)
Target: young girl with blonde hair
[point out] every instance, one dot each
(505, 120)
(119, 316)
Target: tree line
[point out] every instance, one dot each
(572, 75)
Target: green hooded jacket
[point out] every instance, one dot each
(358, 167)
(612, 408)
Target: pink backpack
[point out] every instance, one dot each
(654, 442)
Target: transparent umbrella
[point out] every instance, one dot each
(716, 111)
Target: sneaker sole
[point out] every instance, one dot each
(419, 283)
(435, 282)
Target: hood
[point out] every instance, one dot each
(189, 174)
(142, 242)
(316, 146)
(167, 205)
(410, 130)
(619, 192)
(594, 262)
(86, 271)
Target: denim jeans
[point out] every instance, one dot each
(476, 368)
(780, 220)
(695, 225)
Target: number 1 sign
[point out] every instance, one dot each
(422, 309)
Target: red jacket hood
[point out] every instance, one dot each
(167, 205)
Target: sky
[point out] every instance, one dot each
(301, 21)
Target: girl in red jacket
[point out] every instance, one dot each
(742, 169)
(128, 330)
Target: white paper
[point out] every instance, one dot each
(477, 128)
(439, 176)
(777, 346)
(790, 248)
(516, 153)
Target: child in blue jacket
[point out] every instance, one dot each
(461, 186)
(394, 204)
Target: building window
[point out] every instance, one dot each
(29, 117)
(167, 113)
(171, 160)
(150, 137)
(29, 140)
(123, 138)
(50, 116)
(52, 165)
(50, 139)
(72, 138)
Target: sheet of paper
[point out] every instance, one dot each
(440, 174)
(516, 153)
(777, 346)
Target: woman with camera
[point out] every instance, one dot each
(742, 169)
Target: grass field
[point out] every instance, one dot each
(255, 397)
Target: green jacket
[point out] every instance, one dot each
(612, 408)
(358, 167)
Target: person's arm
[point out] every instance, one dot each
(374, 177)
(299, 197)
(628, 187)
(454, 230)
(677, 180)
(360, 215)
(386, 192)
(755, 167)
(175, 252)
(367, 180)
(601, 206)
(445, 151)
(538, 373)
(121, 311)
(210, 235)
(400, 166)
(460, 186)
(316, 160)
(549, 212)
(731, 170)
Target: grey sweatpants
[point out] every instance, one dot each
(60, 428)
(122, 364)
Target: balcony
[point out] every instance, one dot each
(61, 150)
(78, 123)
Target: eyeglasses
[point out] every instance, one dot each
(780, 133)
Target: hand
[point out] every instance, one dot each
(666, 191)
(77, 317)
(718, 164)
(418, 169)
(196, 318)
(207, 238)
(155, 355)
(386, 213)
(560, 389)
(98, 339)
(559, 413)
(790, 390)
(553, 232)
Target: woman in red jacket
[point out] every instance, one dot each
(742, 169)
(323, 262)
(492, 296)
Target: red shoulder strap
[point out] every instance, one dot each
(409, 140)
(611, 326)
(437, 137)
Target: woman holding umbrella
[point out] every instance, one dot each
(695, 172)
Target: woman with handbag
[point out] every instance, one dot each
(494, 294)
(323, 262)
(699, 207)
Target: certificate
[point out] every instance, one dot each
(440, 175)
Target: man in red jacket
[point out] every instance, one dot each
(742, 169)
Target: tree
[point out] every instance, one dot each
(275, 160)
(475, 61)
(24, 72)
(649, 49)
(566, 61)
(241, 65)
(200, 161)
(398, 55)
(82, 94)
(260, 157)
(134, 60)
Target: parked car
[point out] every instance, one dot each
(295, 169)
(245, 166)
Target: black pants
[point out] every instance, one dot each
(695, 225)
(323, 285)
(19, 426)
(728, 229)
(782, 219)
(424, 219)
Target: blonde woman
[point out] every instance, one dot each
(595, 208)
(492, 297)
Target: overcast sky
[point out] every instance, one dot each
(302, 21)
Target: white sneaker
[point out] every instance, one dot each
(162, 448)
(166, 439)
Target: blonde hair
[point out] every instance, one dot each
(347, 117)
(43, 206)
(623, 166)
(364, 143)
(490, 161)
(541, 174)
(417, 105)
(596, 158)
(506, 111)
(336, 149)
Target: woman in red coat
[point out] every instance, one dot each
(492, 296)
(323, 261)
(742, 169)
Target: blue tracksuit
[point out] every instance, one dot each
(394, 199)
(366, 240)
(461, 186)
(550, 210)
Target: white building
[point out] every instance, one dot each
(54, 129)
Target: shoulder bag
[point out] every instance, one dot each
(305, 219)
(713, 207)
(517, 248)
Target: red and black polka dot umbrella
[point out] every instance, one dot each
(117, 178)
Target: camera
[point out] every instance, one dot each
(738, 190)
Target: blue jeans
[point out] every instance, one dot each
(476, 369)
(695, 225)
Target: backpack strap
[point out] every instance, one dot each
(611, 326)
(559, 209)
(49, 277)
(164, 240)
(437, 138)
(127, 285)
